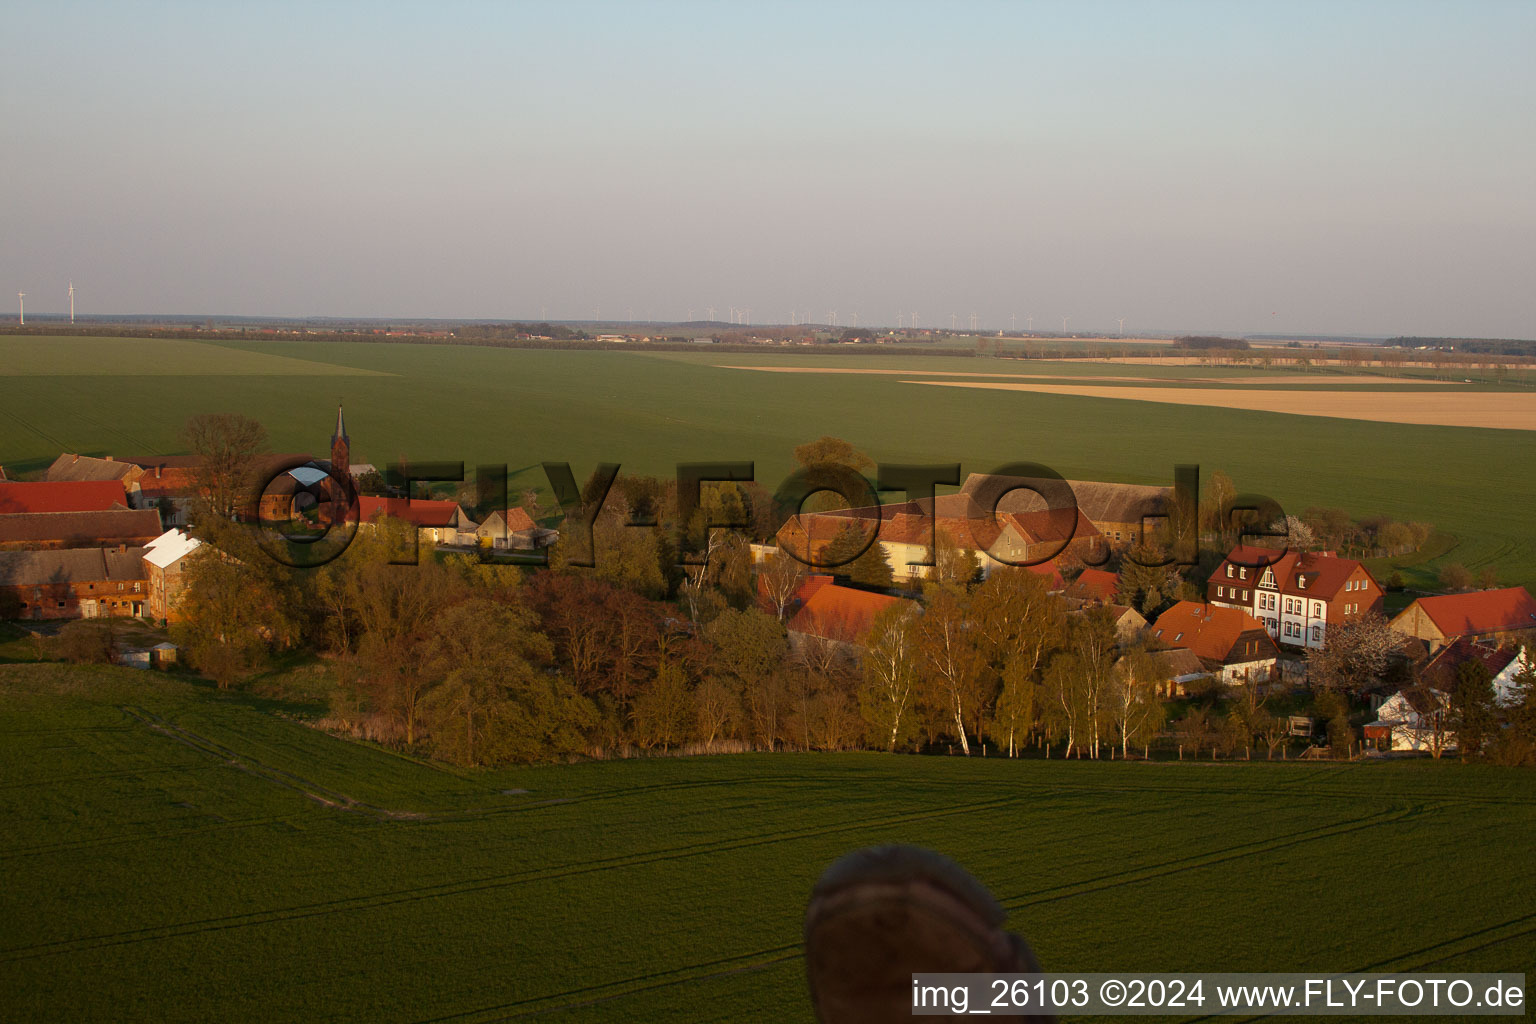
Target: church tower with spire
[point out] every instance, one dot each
(341, 449)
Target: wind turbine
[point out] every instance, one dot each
(71, 302)
(914, 320)
(1029, 322)
(21, 300)
(1064, 320)
(973, 321)
(711, 311)
(898, 319)
(855, 319)
(1121, 321)
(952, 321)
(1013, 322)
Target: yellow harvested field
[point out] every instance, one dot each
(1289, 378)
(1502, 410)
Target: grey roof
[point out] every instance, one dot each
(1100, 500)
(1180, 662)
(74, 565)
(114, 526)
(70, 466)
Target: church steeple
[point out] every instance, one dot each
(341, 448)
(341, 427)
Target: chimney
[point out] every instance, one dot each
(157, 472)
(74, 460)
(109, 458)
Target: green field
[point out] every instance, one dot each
(650, 411)
(177, 853)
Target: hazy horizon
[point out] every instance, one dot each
(1349, 169)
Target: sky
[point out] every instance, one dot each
(1302, 168)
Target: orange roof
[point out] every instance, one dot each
(1209, 630)
(62, 496)
(1322, 572)
(519, 520)
(1098, 583)
(421, 511)
(839, 613)
(1482, 611)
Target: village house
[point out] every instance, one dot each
(170, 483)
(442, 522)
(1413, 720)
(40, 531)
(73, 583)
(1118, 512)
(823, 612)
(1298, 595)
(71, 466)
(1504, 664)
(514, 530)
(1229, 642)
(906, 530)
(1099, 585)
(1177, 668)
(1496, 615)
(165, 561)
(62, 496)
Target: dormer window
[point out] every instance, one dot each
(1242, 573)
(1301, 581)
(1229, 570)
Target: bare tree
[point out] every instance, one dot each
(780, 576)
(1354, 654)
(226, 445)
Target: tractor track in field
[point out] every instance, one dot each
(482, 884)
(1396, 964)
(593, 995)
(687, 974)
(278, 776)
(1207, 858)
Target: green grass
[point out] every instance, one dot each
(649, 412)
(163, 862)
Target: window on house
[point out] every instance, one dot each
(1229, 571)
(1317, 633)
(1178, 636)
(1242, 572)
(1221, 591)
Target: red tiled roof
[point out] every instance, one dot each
(1482, 611)
(62, 496)
(1211, 631)
(421, 511)
(1051, 573)
(1324, 572)
(839, 613)
(1442, 667)
(1099, 583)
(519, 520)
